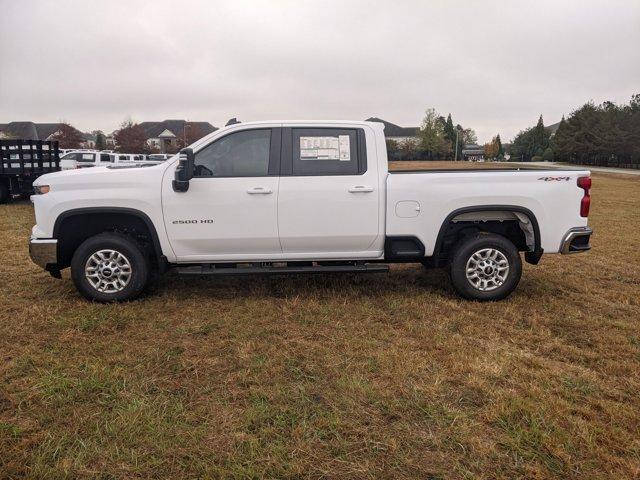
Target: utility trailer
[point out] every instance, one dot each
(21, 162)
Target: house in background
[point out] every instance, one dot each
(398, 134)
(552, 129)
(89, 140)
(168, 135)
(473, 152)
(28, 130)
(40, 131)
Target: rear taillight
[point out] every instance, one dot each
(585, 184)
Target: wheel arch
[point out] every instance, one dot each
(534, 253)
(107, 215)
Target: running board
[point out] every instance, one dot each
(212, 269)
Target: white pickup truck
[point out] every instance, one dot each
(301, 197)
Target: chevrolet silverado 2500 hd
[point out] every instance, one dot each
(300, 197)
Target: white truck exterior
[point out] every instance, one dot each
(302, 196)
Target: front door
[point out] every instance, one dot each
(329, 199)
(230, 209)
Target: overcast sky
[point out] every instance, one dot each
(495, 65)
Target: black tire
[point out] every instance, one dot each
(4, 192)
(125, 247)
(484, 283)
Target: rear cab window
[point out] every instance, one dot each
(324, 151)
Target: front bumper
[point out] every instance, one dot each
(44, 252)
(576, 240)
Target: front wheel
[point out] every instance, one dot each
(109, 267)
(485, 267)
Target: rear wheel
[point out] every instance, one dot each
(109, 267)
(485, 267)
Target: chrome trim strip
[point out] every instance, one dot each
(43, 251)
(571, 235)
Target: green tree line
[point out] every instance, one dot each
(532, 144)
(606, 135)
(438, 139)
(599, 135)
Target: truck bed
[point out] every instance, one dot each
(422, 203)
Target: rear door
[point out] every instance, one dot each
(329, 200)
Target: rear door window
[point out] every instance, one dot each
(327, 151)
(88, 157)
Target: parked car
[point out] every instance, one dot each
(302, 197)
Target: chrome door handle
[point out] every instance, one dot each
(360, 189)
(259, 191)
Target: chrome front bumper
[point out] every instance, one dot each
(44, 251)
(576, 240)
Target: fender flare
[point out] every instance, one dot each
(121, 210)
(491, 208)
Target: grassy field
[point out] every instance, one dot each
(379, 376)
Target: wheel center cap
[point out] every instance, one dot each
(107, 272)
(488, 270)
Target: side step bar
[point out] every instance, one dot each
(260, 268)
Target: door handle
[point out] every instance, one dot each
(259, 191)
(361, 189)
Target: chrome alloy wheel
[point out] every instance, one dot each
(487, 269)
(108, 271)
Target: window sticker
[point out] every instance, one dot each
(344, 148)
(325, 148)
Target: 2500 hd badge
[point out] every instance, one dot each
(184, 222)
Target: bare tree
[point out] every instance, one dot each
(67, 136)
(131, 138)
(191, 133)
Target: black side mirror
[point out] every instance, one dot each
(184, 170)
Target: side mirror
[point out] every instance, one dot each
(184, 170)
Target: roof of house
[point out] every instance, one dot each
(393, 130)
(552, 129)
(472, 147)
(154, 129)
(30, 130)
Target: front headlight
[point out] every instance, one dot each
(40, 189)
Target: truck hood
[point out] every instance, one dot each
(89, 175)
(64, 174)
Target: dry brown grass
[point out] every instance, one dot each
(380, 376)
